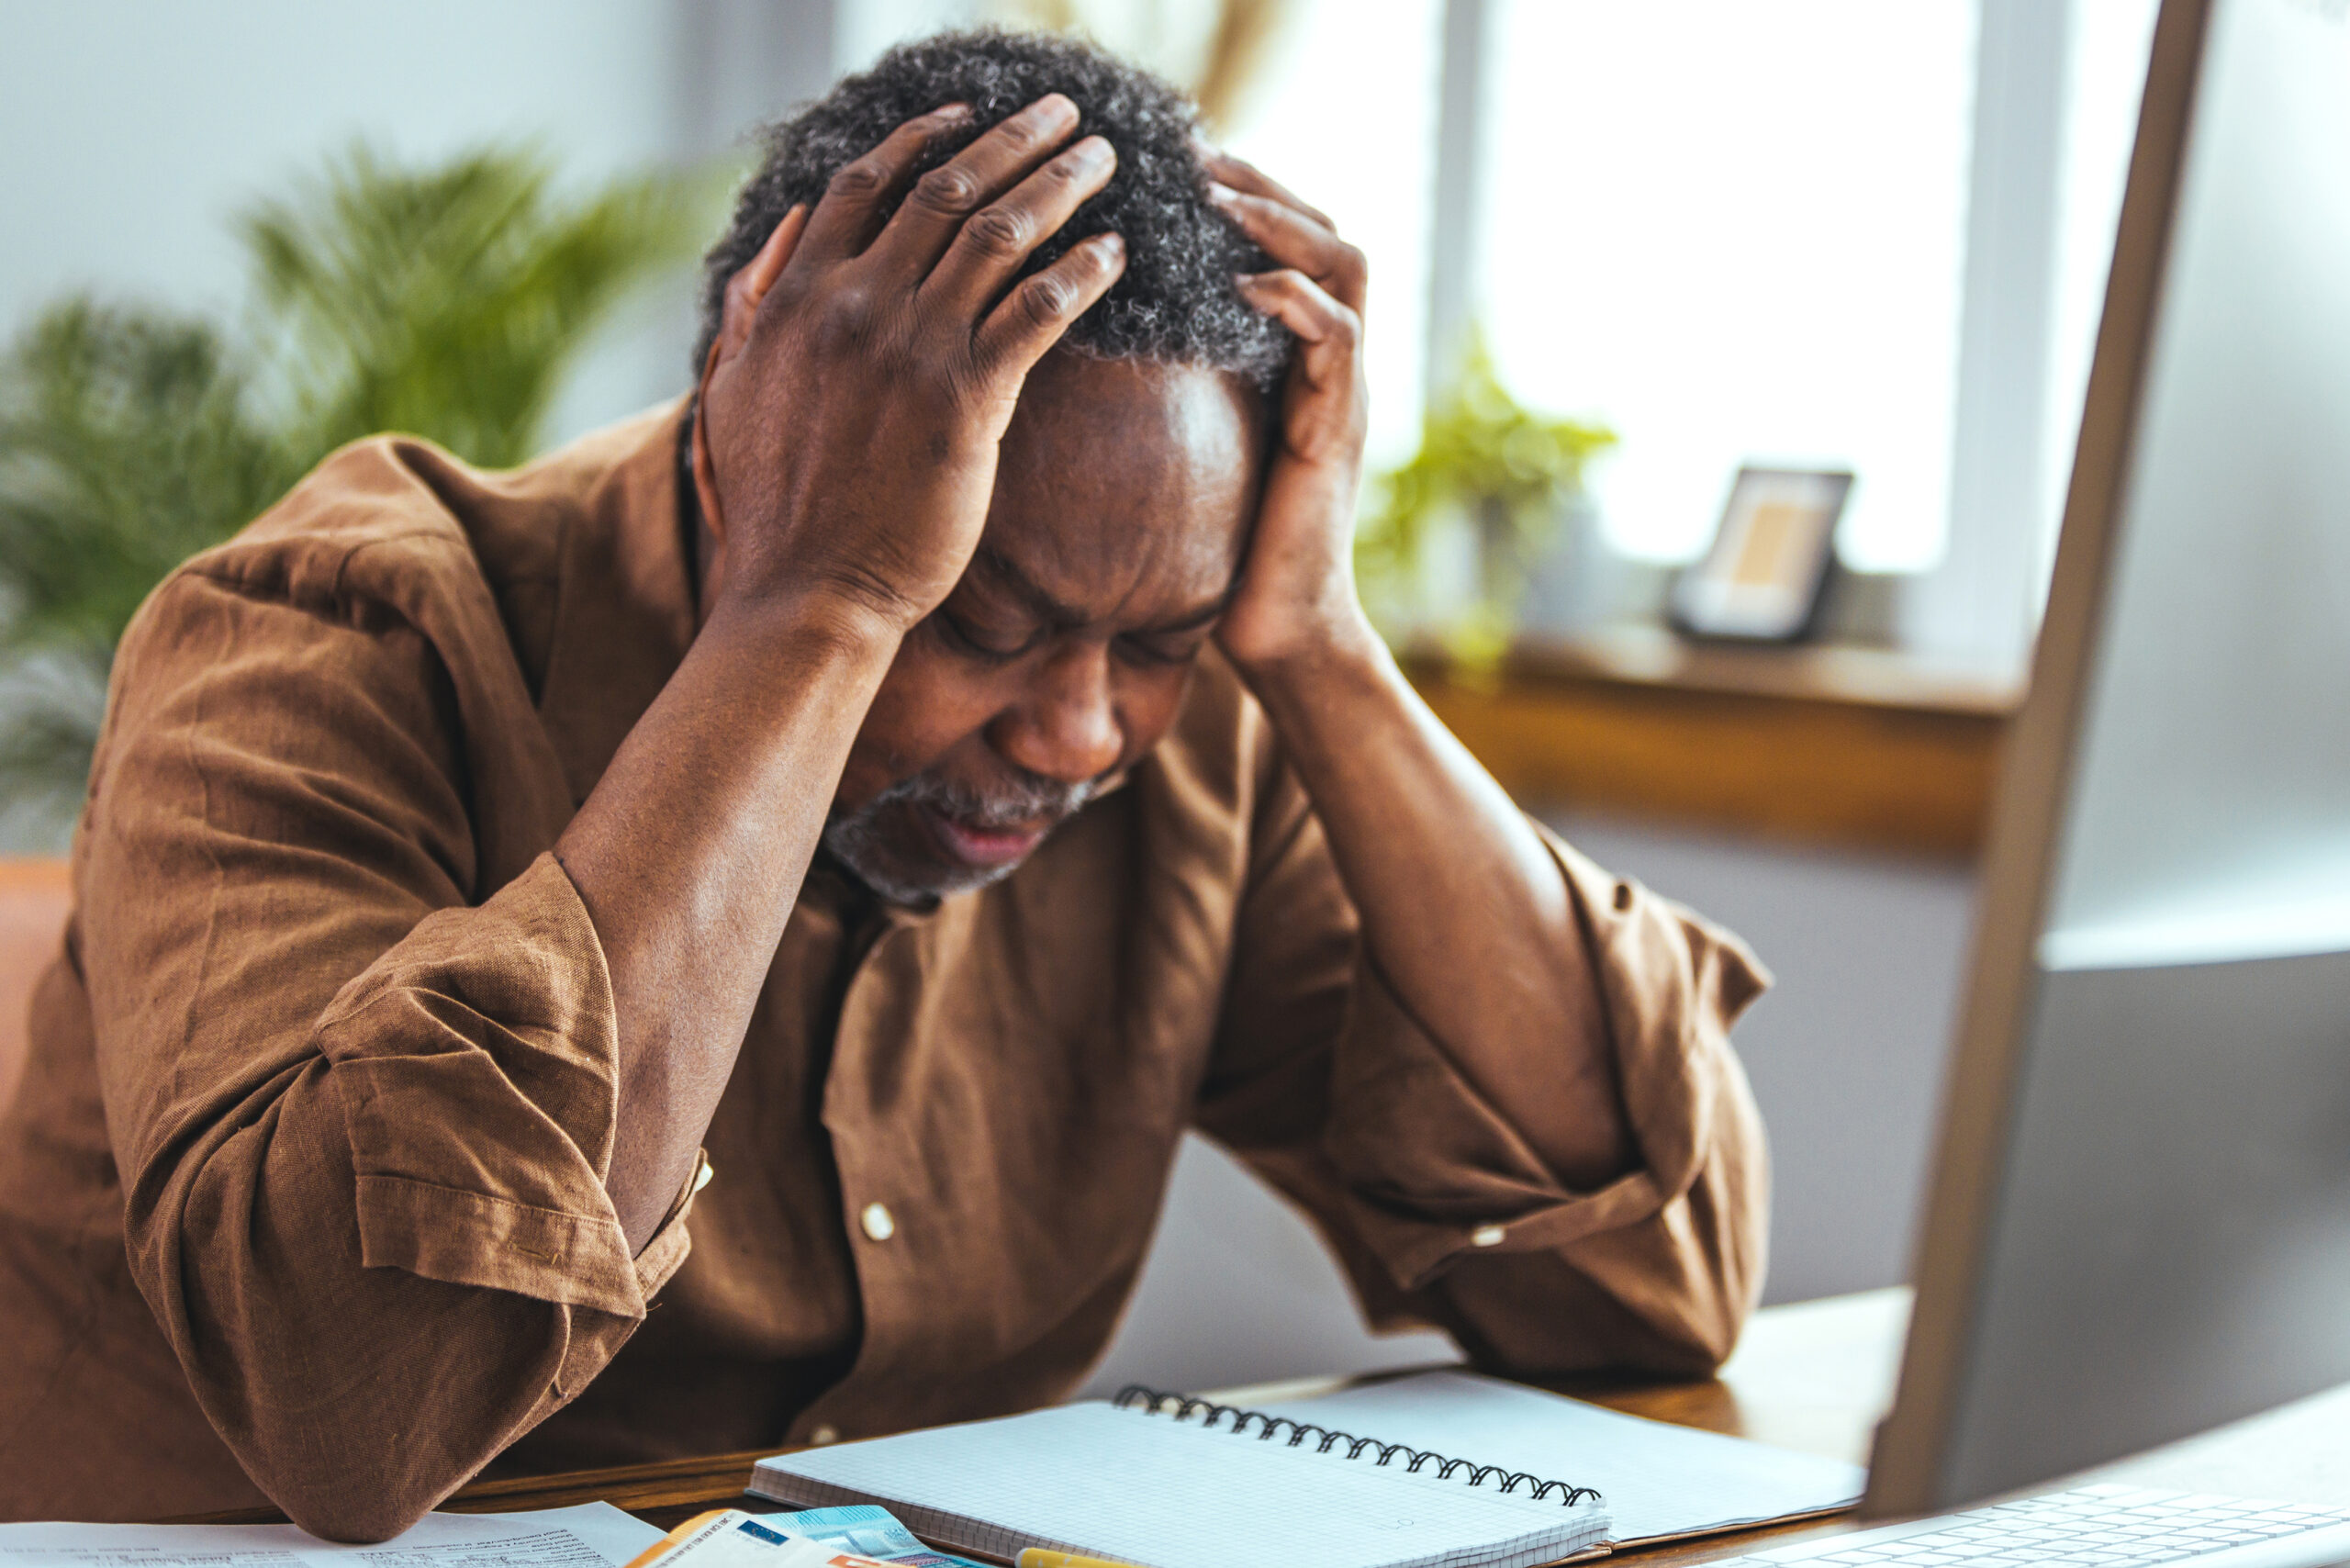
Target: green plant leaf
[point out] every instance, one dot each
(446, 302)
(1486, 459)
(124, 446)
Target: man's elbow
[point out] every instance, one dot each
(359, 1510)
(1689, 1343)
(362, 1465)
(1692, 1328)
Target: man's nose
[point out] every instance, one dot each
(1066, 726)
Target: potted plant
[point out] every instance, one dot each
(1486, 497)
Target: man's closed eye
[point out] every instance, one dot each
(990, 644)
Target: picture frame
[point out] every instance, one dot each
(1765, 574)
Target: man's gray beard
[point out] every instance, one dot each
(857, 840)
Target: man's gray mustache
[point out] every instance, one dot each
(1021, 802)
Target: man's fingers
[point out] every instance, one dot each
(1243, 175)
(998, 238)
(935, 210)
(751, 282)
(1039, 310)
(1296, 239)
(847, 219)
(1328, 329)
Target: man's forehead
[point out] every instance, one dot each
(1095, 422)
(1119, 480)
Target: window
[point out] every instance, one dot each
(1735, 232)
(2106, 76)
(1344, 114)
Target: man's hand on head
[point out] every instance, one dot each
(866, 368)
(1296, 603)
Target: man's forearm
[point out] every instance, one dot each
(1463, 906)
(690, 855)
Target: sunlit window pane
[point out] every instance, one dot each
(1735, 232)
(1345, 117)
(2107, 77)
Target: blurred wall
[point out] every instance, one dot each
(1845, 1051)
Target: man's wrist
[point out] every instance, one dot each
(1338, 650)
(845, 630)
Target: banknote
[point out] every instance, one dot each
(866, 1529)
(738, 1539)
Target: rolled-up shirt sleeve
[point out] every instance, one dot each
(362, 1104)
(1326, 1083)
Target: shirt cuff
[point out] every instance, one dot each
(477, 1063)
(1434, 1171)
(462, 1237)
(665, 1252)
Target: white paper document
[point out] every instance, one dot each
(594, 1535)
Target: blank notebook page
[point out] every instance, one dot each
(1658, 1479)
(1094, 1479)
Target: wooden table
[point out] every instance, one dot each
(1814, 1376)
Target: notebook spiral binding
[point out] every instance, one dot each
(1183, 1408)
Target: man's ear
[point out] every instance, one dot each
(746, 291)
(705, 476)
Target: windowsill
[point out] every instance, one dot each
(1834, 746)
(1873, 677)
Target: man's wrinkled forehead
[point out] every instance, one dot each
(1117, 474)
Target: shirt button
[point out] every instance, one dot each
(878, 1222)
(823, 1436)
(1487, 1235)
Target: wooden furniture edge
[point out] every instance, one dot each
(678, 1486)
(1852, 674)
(1775, 759)
(653, 1491)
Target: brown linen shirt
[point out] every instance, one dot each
(302, 1195)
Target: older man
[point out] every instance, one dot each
(713, 939)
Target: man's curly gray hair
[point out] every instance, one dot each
(1175, 304)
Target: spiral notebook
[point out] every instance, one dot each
(1350, 1480)
(1124, 1482)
